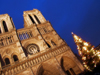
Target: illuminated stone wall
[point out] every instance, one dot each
(35, 49)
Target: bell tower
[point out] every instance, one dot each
(33, 17)
(44, 27)
(10, 47)
(6, 24)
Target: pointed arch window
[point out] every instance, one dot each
(31, 19)
(48, 45)
(7, 61)
(0, 30)
(5, 26)
(37, 19)
(15, 58)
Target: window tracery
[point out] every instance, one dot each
(6, 40)
(25, 35)
(32, 49)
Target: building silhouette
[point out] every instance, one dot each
(36, 49)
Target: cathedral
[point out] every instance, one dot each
(36, 49)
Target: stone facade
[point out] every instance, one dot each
(35, 49)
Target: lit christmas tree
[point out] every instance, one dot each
(89, 55)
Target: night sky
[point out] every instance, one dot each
(79, 16)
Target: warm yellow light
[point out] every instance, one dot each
(93, 61)
(85, 43)
(98, 52)
(83, 58)
(92, 48)
(80, 40)
(87, 51)
(87, 67)
(80, 52)
(85, 48)
(78, 47)
(75, 37)
(95, 65)
(84, 63)
(99, 55)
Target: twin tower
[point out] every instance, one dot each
(35, 49)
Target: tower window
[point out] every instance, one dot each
(15, 58)
(31, 19)
(37, 19)
(0, 30)
(5, 26)
(7, 61)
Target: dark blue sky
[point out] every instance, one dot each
(79, 16)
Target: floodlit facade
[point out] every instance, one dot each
(36, 49)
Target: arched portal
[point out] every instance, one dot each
(5, 26)
(47, 69)
(68, 65)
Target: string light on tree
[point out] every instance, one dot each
(89, 55)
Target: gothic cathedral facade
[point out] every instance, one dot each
(35, 49)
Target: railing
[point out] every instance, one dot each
(6, 40)
(19, 67)
(24, 35)
(45, 29)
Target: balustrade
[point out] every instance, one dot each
(45, 29)
(31, 62)
(4, 41)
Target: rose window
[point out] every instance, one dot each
(32, 49)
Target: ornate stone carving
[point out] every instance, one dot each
(32, 49)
